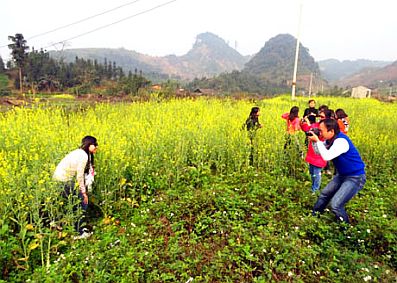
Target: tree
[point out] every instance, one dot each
(18, 53)
(2, 67)
(41, 71)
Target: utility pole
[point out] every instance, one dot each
(296, 54)
(310, 84)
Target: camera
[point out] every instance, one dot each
(314, 130)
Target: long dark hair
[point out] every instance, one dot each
(85, 145)
(254, 111)
(252, 121)
(293, 113)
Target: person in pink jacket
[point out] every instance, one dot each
(293, 124)
(313, 157)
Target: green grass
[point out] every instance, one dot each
(3, 85)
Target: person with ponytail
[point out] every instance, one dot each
(72, 170)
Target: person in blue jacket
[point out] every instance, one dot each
(350, 169)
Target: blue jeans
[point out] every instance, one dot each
(338, 192)
(69, 189)
(315, 174)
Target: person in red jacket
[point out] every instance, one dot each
(313, 157)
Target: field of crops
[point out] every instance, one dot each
(176, 199)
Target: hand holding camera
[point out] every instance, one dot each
(312, 132)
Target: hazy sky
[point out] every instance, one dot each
(340, 29)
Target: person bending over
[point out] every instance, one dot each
(74, 168)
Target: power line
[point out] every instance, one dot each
(99, 28)
(78, 22)
(108, 25)
(82, 20)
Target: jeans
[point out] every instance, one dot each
(70, 189)
(315, 174)
(338, 192)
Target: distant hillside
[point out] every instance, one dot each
(128, 60)
(270, 71)
(334, 70)
(275, 62)
(209, 56)
(372, 77)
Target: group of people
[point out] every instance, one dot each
(327, 140)
(310, 123)
(326, 132)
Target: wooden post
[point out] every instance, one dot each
(296, 55)
(20, 81)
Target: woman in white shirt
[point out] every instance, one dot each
(72, 168)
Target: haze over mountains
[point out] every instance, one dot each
(373, 77)
(210, 56)
(334, 70)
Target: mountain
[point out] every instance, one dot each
(273, 65)
(209, 56)
(372, 77)
(334, 70)
(270, 71)
(275, 62)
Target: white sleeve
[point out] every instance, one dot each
(82, 162)
(337, 148)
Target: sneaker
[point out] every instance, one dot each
(85, 235)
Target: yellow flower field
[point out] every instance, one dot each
(149, 147)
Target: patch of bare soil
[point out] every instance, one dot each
(13, 101)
